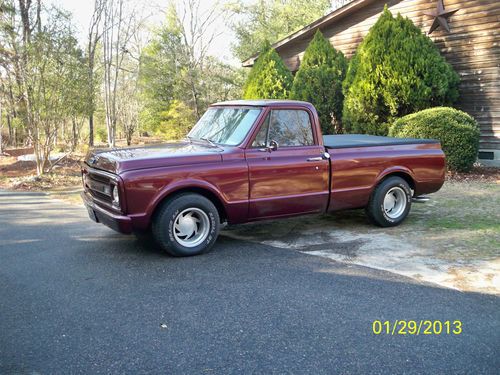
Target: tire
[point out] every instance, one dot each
(187, 224)
(390, 202)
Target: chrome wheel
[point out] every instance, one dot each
(191, 227)
(395, 202)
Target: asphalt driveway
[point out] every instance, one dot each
(75, 297)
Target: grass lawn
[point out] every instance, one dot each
(463, 219)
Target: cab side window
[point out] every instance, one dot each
(261, 137)
(290, 127)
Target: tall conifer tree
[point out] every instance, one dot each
(319, 81)
(269, 77)
(396, 70)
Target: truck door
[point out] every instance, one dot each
(288, 171)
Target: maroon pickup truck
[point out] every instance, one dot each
(253, 160)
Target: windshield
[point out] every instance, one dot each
(227, 126)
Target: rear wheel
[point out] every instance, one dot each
(390, 202)
(186, 225)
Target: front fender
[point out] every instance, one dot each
(179, 185)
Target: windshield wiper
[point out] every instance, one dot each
(209, 141)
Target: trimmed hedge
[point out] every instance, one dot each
(457, 131)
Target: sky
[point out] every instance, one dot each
(82, 12)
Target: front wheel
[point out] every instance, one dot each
(186, 225)
(390, 202)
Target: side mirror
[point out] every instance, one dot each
(273, 146)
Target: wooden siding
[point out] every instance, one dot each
(472, 47)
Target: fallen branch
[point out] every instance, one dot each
(52, 165)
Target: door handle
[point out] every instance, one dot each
(319, 158)
(325, 156)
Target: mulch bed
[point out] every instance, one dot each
(11, 167)
(21, 175)
(477, 174)
(19, 151)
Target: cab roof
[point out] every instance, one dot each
(265, 103)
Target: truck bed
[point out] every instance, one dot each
(362, 140)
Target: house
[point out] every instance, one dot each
(466, 32)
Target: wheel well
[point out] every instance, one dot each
(404, 176)
(203, 192)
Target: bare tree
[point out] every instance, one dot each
(120, 25)
(22, 74)
(128, 107)
(1, 123)
(128, 91)
(40, 63)
(9, 61)
(198, 33)
(94, 35)
(178, 74)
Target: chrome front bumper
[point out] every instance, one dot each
(119, 223)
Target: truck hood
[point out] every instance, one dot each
(119, 160)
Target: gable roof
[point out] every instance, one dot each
(309, 30)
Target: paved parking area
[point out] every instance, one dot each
(79, 298)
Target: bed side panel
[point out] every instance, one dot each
(356, 171)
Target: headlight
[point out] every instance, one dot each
(116, 196)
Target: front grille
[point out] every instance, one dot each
(99, 177)
(102, 188)
(98, 186)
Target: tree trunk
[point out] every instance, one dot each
(24, 8)
(93, 38)
(91, 130)
(91, 95)
(38, 156)
(111, 127)
(1, 129)
(9, 125)
(194, 92)
(74, 135)
(128, 133)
